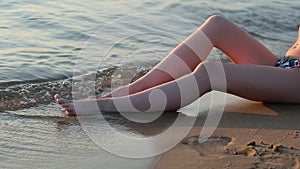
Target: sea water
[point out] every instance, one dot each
(43, 44)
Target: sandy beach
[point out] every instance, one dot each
(250, 135)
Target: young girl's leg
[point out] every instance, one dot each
(254, 82)
(180, 61)
(216, 31)
(236, 43)
(221, 33)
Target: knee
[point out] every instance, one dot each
(216, 20)
(200, 72)
(203, 67)
(215, 26)
(201, 76)
(211, 73)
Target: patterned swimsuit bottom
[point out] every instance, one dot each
(288, 63)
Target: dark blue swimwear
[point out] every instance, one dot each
(288, 63)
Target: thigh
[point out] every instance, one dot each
(263, 83)
(236, 43)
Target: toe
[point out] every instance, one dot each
(57, 96)
(58, 99)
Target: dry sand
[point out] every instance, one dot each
(250, 135)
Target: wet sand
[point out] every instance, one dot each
(250, 135)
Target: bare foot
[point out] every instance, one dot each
(68, 105)
(83, 107)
